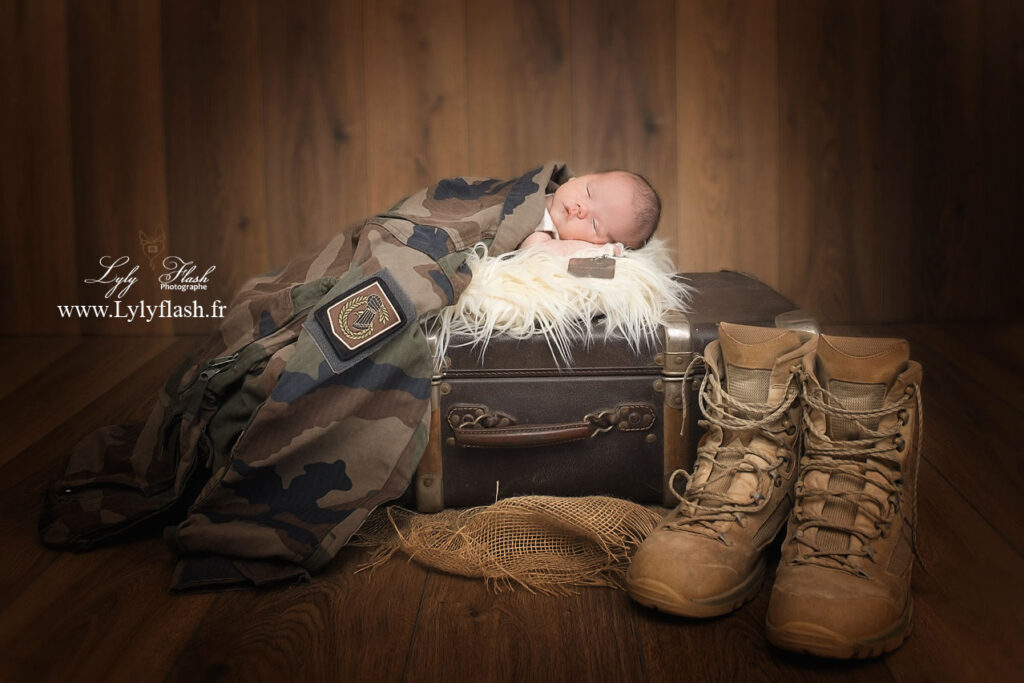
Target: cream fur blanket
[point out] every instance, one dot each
(530, 291)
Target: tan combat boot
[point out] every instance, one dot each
(705, 558)
(843, 583)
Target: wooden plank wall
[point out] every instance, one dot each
(863, 157)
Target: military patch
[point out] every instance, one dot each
(360, 317)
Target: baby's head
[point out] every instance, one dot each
(602, 208)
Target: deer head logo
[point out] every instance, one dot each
(152, 247)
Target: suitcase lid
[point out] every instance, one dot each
(720, 296)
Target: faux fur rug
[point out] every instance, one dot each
(530, 291)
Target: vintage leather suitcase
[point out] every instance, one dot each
(611, 424)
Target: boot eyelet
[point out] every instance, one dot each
(902, 417)
(791, 430)
(777, 480)
(900, 444)
(909, 391)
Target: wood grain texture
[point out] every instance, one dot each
(26, 356)
(951, 359)
(623, 95)
(106, 615)
(314, 122)
(728, 141)
(1003, 107)
(213, 110)
(967, 594)
(37, 233)
(948, 166)
(830, 148)
(25, 478)
(896, 254)
(519, 85)
(415, 59)
(67, 386)
(107, 612)
(862, 157)
(326, 631)
(117, 134)
(466, 632)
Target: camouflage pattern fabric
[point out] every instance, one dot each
(307, 410)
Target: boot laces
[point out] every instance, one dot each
(700, 507)
(877, 452)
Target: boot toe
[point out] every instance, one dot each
(673, 575)
(826, 619)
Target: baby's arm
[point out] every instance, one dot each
(566, 247)
(536, 238)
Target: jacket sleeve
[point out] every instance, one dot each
(341, 430)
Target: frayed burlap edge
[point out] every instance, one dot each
(544, 544)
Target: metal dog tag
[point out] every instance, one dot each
(599, 266)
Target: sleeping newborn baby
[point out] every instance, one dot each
(617, 209)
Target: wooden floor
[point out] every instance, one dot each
(107, 615)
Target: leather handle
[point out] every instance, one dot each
(523, 436)
(478, 427)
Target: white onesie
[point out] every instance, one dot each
(547, 225)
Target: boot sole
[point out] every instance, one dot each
(815, 639)
(662, 597)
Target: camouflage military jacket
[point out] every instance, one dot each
(309, 408)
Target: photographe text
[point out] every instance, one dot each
(117, 275)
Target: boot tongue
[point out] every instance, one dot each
(750, 354)
(858, 372)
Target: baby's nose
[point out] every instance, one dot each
(581, 211)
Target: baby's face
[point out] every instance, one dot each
(596, 208)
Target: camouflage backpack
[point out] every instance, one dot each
(308, 409)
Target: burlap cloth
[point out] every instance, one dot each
(542, 543)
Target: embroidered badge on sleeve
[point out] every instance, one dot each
(360, 317)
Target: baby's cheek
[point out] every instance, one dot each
(574, 230)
